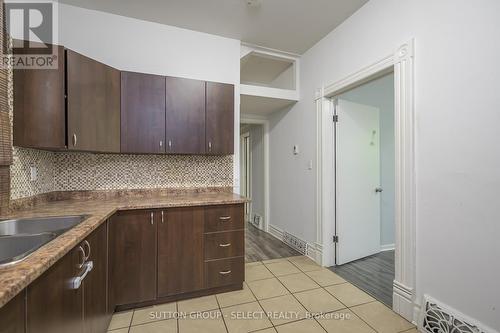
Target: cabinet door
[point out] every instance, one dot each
(13, 314)
(95, 286)
(185, 116)
(219, 118)
(93, 91)
(132, 257)
(39, 110)
(53, 306)
(142, 113)
(180, 251)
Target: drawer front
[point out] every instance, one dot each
(221, 245)
(224, 272)
(221, 218)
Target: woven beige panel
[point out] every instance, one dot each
(5, 126)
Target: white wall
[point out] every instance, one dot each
(257, 145)
(140, 46)
(380, 94)
(458, 159)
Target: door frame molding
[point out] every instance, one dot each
(401, 62)
(248, 169)
(247, 119)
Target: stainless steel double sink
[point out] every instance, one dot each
(21, 237)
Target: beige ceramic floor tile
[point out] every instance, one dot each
(282, 268)
(257, 272)
(236, 297)
(381, 318)
(318, 301)
(120, 320)
(267, 288)
(413, 330)
(306, 265)
(267, 330)
(325, 277)
(154, 313)
(209, 322)
(164, 326)
(198, 304)
(343, 321)
(273, 261)
(245, 318)
(253, 263)
(298, 282)
(295, 258)
(120, 330)
(349, 294)
(283, 309)
(302, 326)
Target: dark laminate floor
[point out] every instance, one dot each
(373, 274)
(260, 245)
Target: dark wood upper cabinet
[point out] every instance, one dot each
(93, 106)
(39, 106)
(142, 113)
(219, 118)
(185, 116)
(180, 251)
(13, 315)
(54, 307)
(96, 312)
(132, 257)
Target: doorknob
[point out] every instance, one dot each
(378, 189)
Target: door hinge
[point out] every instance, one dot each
(335, 118)
(335, 239)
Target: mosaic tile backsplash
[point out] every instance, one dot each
(58, 171)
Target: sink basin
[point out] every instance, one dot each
(38, 225)
(16, 248)
(20, 237)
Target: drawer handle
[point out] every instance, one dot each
(224, 218)
(225, 245)
(225, 272)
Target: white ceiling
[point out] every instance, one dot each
(286, 25)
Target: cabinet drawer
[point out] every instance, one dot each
(227, 217)
(221, 245)
(224, 272)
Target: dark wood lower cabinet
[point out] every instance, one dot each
(53, 306)
(180, 251)
(96, 312)
(132, 257)
(13, 315)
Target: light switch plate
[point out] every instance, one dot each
(33, 173)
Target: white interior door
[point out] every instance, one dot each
(357, 160)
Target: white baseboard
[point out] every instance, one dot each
(387, 247)
(402, 301)
(313, 251)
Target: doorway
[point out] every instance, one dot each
(364, 161)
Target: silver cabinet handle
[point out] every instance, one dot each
(225, 272)
(86, 244)
(74, 139)
(152, 221)
(82, 257)
(225, 245)
(224, 218)
(209, 145)
(169, 144)
(76, 282)
(161, 143)
(162, 219)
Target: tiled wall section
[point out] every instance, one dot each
(85, 171)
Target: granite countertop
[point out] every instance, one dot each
(14, 278)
